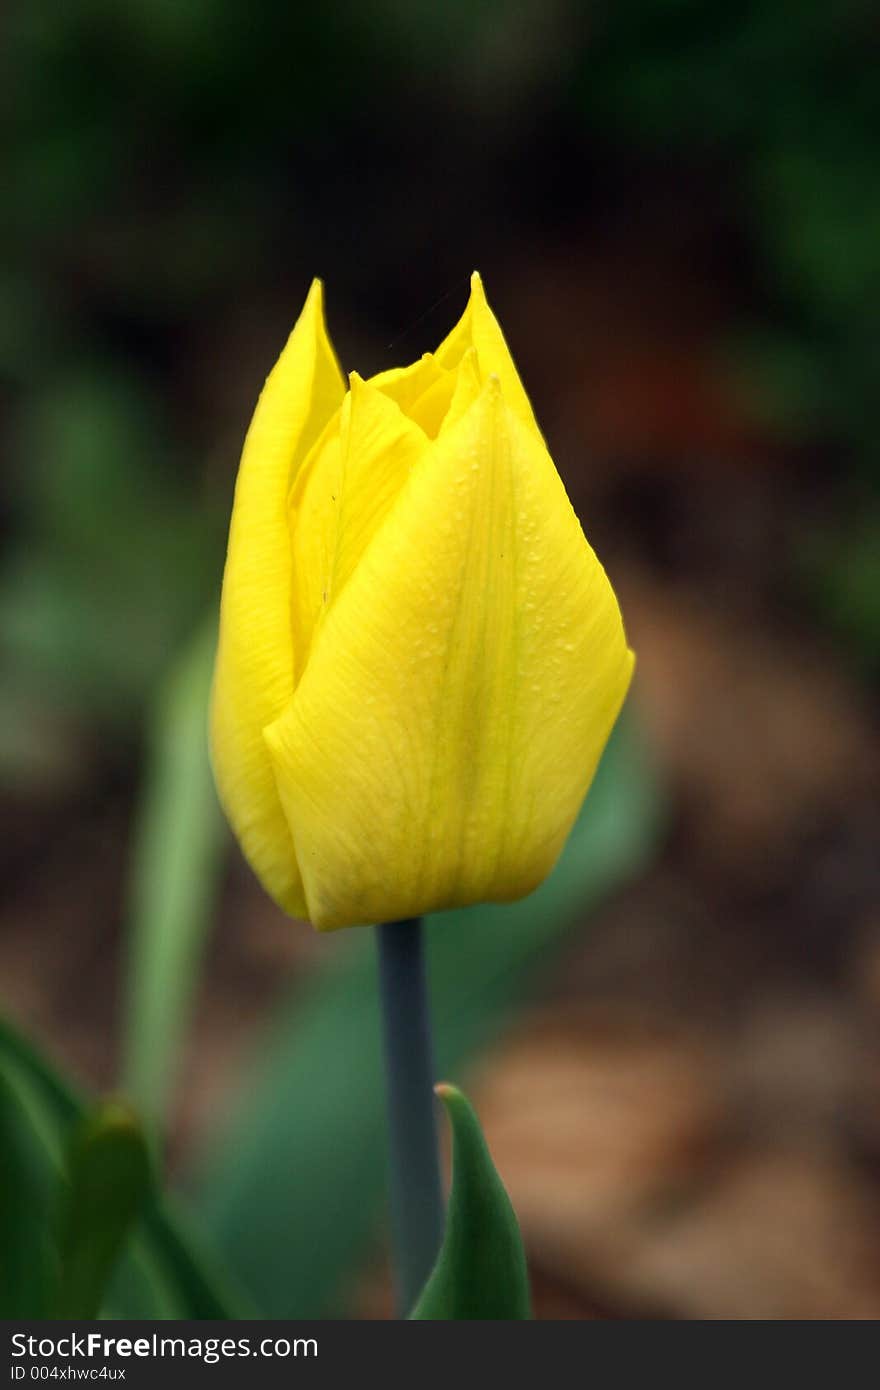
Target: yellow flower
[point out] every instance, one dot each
(420, 656)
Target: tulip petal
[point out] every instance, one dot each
(423, 391)
(343, 493)
(460, 692)
(468, 386)
(479, 328)
(254, 674)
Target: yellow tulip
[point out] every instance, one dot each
(420, 657)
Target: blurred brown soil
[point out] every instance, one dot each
(689, 1118)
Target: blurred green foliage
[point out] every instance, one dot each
(175, 872)
(61, 1236)
(113, 560)
(777, 102)
(786, 89)
(108, 1181)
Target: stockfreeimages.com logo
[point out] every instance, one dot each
(207, 1349)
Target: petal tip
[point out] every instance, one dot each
(315, 296)
(478, 290)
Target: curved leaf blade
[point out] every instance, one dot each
(109, 1178)
(481, 1271)
(165, 1273)
(28, 1267)
(175, 873)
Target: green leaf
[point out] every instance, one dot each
(174, 880)
(481, 1269)
(164, 1273)
(109, 1178)
(292, 1188)
(115, 556)
(28, 1265)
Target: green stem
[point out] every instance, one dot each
(416, 1193)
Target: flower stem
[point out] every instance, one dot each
(417, 1214)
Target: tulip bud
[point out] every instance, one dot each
(420, 657)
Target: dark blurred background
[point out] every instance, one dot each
(676, 210)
